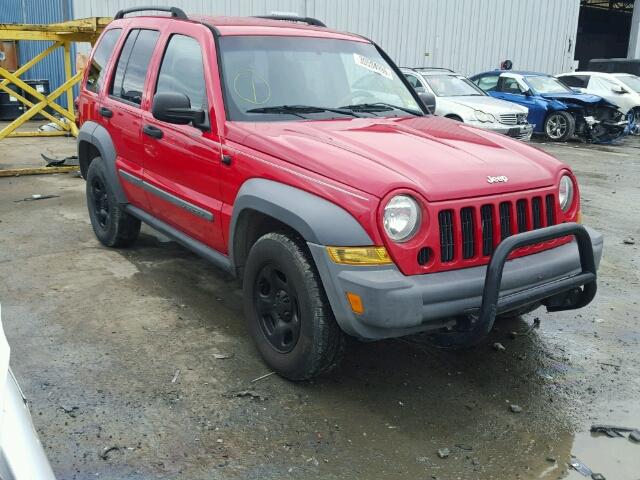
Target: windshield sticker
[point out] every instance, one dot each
(372, 65)
(251, 87)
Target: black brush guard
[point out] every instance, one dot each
(567, 293)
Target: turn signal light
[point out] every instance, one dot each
(356, 303)
(579, 217)
(359, 255)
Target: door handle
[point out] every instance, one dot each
(152, 131)
(105, 112)
(226, 160)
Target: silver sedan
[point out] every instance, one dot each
(459, 99)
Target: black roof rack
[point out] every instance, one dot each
(175, 11)
(294, 18)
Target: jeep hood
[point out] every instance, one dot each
(440, 158)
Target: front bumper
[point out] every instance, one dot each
(396, 304)
(521, 132)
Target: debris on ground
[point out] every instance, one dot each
(612, 431)
(629, 241)
(36, 196)
(635, 436)
(71, 161)
(262, 376)
(551, 459)
(443, 452)
(222, 356)
(580, 467)
(250, 394)
(498, 347)
(515, 408)
(528, 330)
(70, 410)
(597, 476)
(105, 452)
(175, 376)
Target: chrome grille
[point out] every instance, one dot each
(509, 119)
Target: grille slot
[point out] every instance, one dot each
(446, 235)
(509, 119)
(536, 210)
(468, 228)
(551, 210)
(486, 214)
(521, 210)
(423, 256)
(505, 220)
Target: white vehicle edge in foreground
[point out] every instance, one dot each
(21, 454)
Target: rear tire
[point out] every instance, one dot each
(112, 225)
(287, 312)
(559, 126)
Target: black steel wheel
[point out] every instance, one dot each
(276, 302)
(287, 311)
(111, 224)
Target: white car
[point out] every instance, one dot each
(623, 89)
(21, 454)
(458, 98)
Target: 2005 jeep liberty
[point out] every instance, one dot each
(300, 160)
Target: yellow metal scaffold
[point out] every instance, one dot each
(62, 35)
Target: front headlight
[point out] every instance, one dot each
(480, 115)
(565, 193)
(401, 218)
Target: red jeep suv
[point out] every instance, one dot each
(300, 160)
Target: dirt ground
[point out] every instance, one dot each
(137, 365)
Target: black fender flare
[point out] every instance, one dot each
(93, 134)
(316, 219)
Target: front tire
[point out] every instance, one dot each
(559, 126)
(112, 225)
(287, 312)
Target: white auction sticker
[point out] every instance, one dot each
(371, 64)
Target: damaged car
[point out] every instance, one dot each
(459, 99)
(558, 112)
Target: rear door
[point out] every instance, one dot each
(121, 110)
(182, 170)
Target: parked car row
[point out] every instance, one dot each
(596, 107)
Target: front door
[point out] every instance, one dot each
(183, 161)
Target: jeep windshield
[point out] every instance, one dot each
(452, 86)
(268, 78)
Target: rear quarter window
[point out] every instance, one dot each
(106, 45)
(488, 83)
(578, 81)
(131, 71)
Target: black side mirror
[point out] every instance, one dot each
(429, 100)
(173, 107)
(527, 93)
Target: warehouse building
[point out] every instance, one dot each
(468, 36)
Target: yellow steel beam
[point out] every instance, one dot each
(33, 61)
(44, 102)
(16, 172)
(28, 103)
(89, 25)
(68, 73)
(32, 91)
(38, 133)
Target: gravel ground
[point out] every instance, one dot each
(137, 365)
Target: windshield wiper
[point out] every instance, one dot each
(298, 109)
(380, 107)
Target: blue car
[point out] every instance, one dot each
(555, 110)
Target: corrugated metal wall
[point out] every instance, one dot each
(467, 35)
(39, 11)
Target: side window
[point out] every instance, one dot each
(488, 83)
(577, 81)
(413, 80)
(601, 85)
(511, 85)
(182, 70)
(133, 65)
(107, 43)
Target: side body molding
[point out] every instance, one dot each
(93, 134)
(318, 220)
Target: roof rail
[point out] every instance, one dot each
(294, 18)
(433, 68)
(175, 11)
